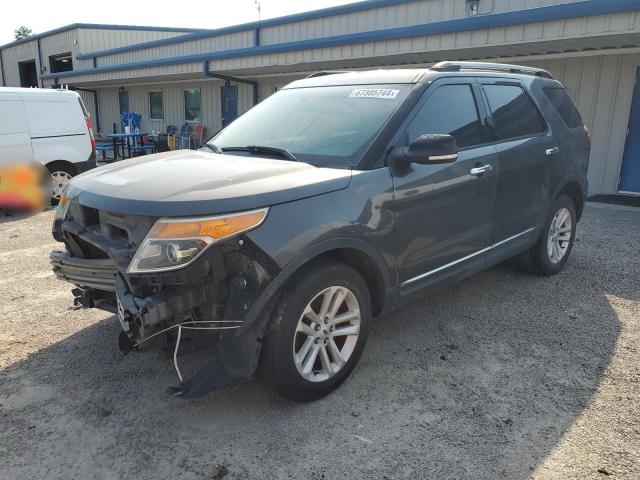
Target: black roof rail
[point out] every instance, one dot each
(326, 72)
(494, 67)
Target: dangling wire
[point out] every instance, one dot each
(175, 353)
(190, 325)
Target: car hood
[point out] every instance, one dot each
(187, 182)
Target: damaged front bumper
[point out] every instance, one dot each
(223, 292)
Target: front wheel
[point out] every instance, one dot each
(317, 331)
(549, 255)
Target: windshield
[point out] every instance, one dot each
(323, 126)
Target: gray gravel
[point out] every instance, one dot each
(505, 375)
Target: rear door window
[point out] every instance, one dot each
(514, 113)
(450, 109)
(12, 118)
(564, 106)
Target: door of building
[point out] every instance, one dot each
(229, 104)
(630, 172)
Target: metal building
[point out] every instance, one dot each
(173, 76)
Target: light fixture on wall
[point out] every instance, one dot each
(473, 7)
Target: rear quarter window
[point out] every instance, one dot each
(563, 104)
(514, 113)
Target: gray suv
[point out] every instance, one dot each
(342, 196)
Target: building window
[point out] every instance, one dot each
(192, 111)
(156, 109)
(123, 100)
(61, 63)
(28, 74)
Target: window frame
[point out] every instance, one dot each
(58, 56)
(400, 138)
(509, 82)
(151, 117)
(184, 99)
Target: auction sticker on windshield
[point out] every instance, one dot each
(374, 93)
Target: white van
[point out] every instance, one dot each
(49, 126)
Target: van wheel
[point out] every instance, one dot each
(549, 255)
(61, 175)
(317, 331)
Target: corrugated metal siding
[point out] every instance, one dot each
(60, 43)
(575, 34)
(226, 42)
(425, 11)
(124, 75)
(18, 53)
(173, 103)
(602, 88)
(91, 40)
(269, 86)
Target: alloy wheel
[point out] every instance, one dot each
(326, 334)
(559, 236)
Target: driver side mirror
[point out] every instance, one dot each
(428, 149)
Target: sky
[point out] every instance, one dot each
(43, 15)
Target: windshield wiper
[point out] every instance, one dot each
(213, 147)
(280, 152)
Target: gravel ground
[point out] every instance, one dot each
(504, 376)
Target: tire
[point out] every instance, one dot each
(283, 339)
(61, 173)
(540, 259)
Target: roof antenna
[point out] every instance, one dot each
(257, 4)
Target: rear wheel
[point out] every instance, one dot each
(317, 331)
(61, 175)
(549, 255)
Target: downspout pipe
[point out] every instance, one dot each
(39, 63)
(229, 78)
(4, 82)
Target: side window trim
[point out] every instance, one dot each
(490, 120)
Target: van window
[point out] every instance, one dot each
(450, 109)
(54, 117)
(564, 106)
(12, 119)
(514, 114)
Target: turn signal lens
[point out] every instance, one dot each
(173, 243)
(214, 228)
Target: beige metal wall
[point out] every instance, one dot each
(173, 103)
(572, 33)
(226, 42)
(18, 53)
(92, 39)
(602, 88)
(414, 13)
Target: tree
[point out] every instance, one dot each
(23, 32)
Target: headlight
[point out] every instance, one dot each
(175, 242)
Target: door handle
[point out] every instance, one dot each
(549, 152)
(478, 171)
